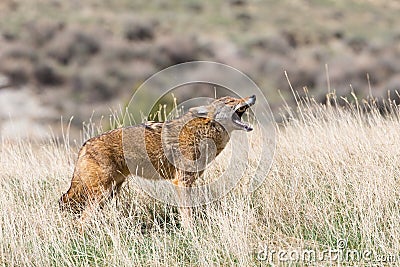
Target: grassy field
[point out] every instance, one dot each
(335, 179)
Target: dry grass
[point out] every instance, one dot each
(335, 176)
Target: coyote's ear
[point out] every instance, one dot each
(199, 111)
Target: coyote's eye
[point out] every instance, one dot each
(241, 109)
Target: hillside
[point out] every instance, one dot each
(71, 58)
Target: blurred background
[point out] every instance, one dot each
(60, 59)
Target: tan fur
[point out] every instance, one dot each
(101, 167)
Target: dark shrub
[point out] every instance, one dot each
(94, 84)
(175, 50)
(72, 45)
(19, 51)
(47, 73)
(139, 30)
(42, 31)
(18, 71)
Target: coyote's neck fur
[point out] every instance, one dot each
(192, 131)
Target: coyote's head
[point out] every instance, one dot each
(227, 111)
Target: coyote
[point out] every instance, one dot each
(102, 164)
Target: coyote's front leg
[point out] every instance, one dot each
(183, 184)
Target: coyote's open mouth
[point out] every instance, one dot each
(240, 110)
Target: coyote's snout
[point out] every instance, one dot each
(104, 162)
